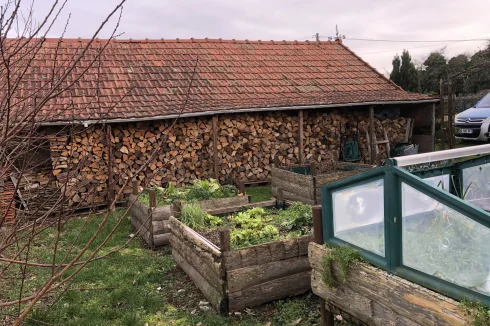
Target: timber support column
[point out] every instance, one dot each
(372, 135)
(300, 140)
(325, 316)
(215, 147)
(153, 205)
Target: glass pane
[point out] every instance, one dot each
(439, 181)
(444, 243)
(476, 185)
(358, 216)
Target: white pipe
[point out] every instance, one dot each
(442, 155)
(209, 113)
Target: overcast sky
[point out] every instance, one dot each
(294, 20)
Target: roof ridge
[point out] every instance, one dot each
(190, 40)
(371, 67)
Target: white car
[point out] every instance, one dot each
(473, 124)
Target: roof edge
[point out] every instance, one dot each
(86, 123)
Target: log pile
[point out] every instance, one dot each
(80, 165)
(322, 132)
(183, 156)
(248, 143)
(246, 147)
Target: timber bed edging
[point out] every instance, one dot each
(152, 223)
(376, 297)
(244, 277)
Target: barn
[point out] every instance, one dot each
(179, 110)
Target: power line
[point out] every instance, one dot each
(415, 41)
(417, 47)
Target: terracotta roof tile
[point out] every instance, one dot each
(151, 77)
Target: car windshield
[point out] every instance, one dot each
(484, 102)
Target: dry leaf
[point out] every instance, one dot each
(297, 321)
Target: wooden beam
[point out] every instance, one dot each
(300, 131)
(215, 147)
(433, 128)
(442, 134)
(110, 160)
(372, 135)
(450, 115)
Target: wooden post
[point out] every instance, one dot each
(135, 187)
(280, 198)
(277, 163)
(215, 147)
(300, 131)
(153, 198)
(241, 187)
(433, 127)
(372, 135)
(442, 134)
(110, 181)
(313, 169)
(378, 159)
(177, 208)
(326, 317)
(224, 240)
(450, 131)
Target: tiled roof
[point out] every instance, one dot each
(147, 78)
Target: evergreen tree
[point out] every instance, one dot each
(409, 77)
(435, 68)
(395, 73)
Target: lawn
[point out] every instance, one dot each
(135, 286)
(259, 193)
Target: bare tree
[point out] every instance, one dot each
(25, 104)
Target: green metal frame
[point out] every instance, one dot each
(393, 261)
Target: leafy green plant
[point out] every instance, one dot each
(251, 229)
(478, 311)
(212, 221)
(343, 255)
(193, 216)
(297, 218)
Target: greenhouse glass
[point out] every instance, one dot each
(444, 243)
(476, 183)
(411, 227)
(358, 216)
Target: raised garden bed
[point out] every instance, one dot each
(377, 298)
(303, 183)
(233, 277)
(151, 221)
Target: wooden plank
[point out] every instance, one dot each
(295, 197)
(161, 239)
(293, 188)
(275, 250)
(242, 278)
(188, 250)
(404, 298)
(443, 134)
(296, 178)
(276, 289)
(141, 230)
(368, 311)
(160, 227)
(215, 147)
(301, 136)
(372, 135)
(162, 213)
(215, 297)
(209, 205)
(223, 210)
(433, 127)
(192, 236)
(209, 270)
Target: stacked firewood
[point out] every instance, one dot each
(248, 143)
(80, 165)
(182, 151)
(323, 133)
(161, 152)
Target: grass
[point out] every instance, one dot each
(135, 286)
(261, 193)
